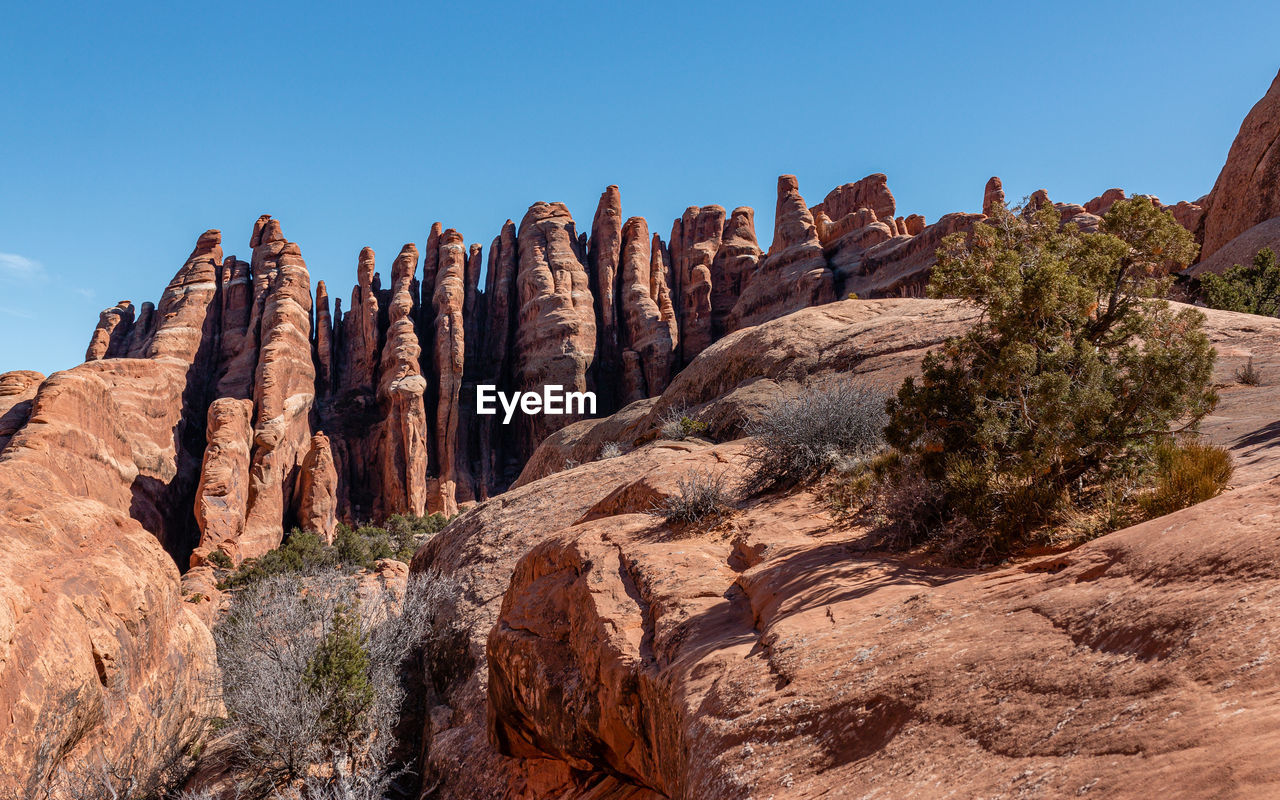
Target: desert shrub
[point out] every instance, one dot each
(1187, 473)
(1249, 375)
(221, 560)
(793, 439)
(304, 553)
(676, 424)
(702, 496)
(610, 450)
(1076, 371)
(312, 679)
(1254, 289)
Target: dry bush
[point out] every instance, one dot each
(1187, 473)
(610, 450)
(1249, 375)
(703, 496)
(796, 438)
(676, 424)
(281, 726)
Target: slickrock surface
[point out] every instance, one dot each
(1241, 249)
(98, 653)
(1247, 191)
(777, 657)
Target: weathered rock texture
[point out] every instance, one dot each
(776, 656)
(1247, 191)
(403, 456)
(17, 390)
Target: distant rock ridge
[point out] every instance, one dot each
(391, 380)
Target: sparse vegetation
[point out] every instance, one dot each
(676, 424)
(610, 450)
(1254, 289)
(794, 439)
(1249, 375)
(304, 553)
(1076, 375)
(312, 678)
(1187, 473)
(702, 498)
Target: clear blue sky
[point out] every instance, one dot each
(128, 132)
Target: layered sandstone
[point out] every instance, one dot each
(17, 391)
(1247, 191)
(794, 273)
(403, 453)
(555, 334)
(695, 240)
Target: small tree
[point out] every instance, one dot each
(1075, 369)
(1252, 290)
(338, 672)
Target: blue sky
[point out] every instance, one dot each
(125, 133)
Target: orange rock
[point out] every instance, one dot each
(111, 338)
(450, 354)
(318, 490)
(793, 274)
(403, 449)
(604, 255)
(735, 260)
(555, 334)
(695, 239)
(992, 195)
(1247, 191)
(283, 392)
(223, 493)
(647, 336)
(17, 390)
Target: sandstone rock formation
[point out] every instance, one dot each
(99, 656)
(111, 338)
(695, 239)
(794, 273)
(223, 493)
(318, 490)
(734, 262)
(17, 390)
(992, 195)
(450, 294)
(403, 454)
(625, 662)
(604, 257)
(648, 338)
(555, 335)
(1241, 249)
(1247, 191)
(283, 392)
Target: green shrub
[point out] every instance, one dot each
(305, 553)
(1252, 290)
(677, 425)
(1187, 473)
(338, 674)
(1075, 372)
(220, 559)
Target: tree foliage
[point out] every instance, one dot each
(1252, 290)
(1075, 370)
